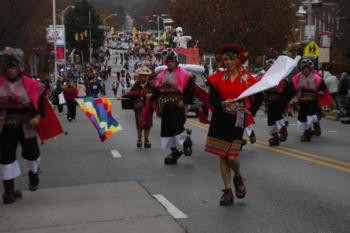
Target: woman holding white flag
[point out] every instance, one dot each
(229, 117)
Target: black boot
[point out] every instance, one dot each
(139, 143)
(147, 144)
(33, 181)
(10, 195)
(275, 140)
(317, 129)
(243, 143)
(227, 198)
(306, 136)
(172, 157)
(252, 137)
(187, 146)
(240, 189)
(283, 134)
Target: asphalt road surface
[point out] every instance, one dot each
(296, 187)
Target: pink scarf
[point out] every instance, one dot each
(181, 78)
(32, 88)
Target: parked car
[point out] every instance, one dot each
(200, 80)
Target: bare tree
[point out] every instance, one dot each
(260, 26)
(23, 25)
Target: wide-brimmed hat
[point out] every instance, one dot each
(242, 53)
(143, 70)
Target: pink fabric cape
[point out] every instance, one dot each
(181, 78)
(32, 87)
(49, 125)
(317, 79)
(324, 99)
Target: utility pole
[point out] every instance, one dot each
(309, 12)
(309, 25)
(90, 44)
(54, 38)
(158, 29)
(65, 39)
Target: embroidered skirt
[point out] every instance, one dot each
(224, 138)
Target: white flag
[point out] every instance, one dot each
(280, 69)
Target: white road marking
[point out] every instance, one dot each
(116, 154)
(332, 131)
(175, 212)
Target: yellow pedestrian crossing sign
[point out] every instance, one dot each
(312, 50)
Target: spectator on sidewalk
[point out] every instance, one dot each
(71, 93)
(115, 87)
(332, 84)
(116, 58)
(118, 75)
(121, 58)
(109, 70)
(343, 92)
(56, 97)
(123, 73)
(124, 85)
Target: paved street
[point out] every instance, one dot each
(296, 187)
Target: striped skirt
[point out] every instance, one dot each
(224, 138)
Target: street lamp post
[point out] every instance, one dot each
(107, 17)
(309, 27)
(90, 45)
(54, 37)
(159, 17)
(309, 12)
(65, 41)
(301, 14)
(64, 12)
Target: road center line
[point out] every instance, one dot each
(116, 154)
(321, 160)
(173, 210)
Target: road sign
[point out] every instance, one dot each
(102, 27)
(324, 56)
(312, 49)
(325, 39)
(310, 31)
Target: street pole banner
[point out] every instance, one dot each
(280, 69)
(59, 34)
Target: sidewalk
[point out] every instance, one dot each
(123, 207)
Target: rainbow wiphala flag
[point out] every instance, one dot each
(99, 111)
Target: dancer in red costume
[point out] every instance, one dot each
(229, 117)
